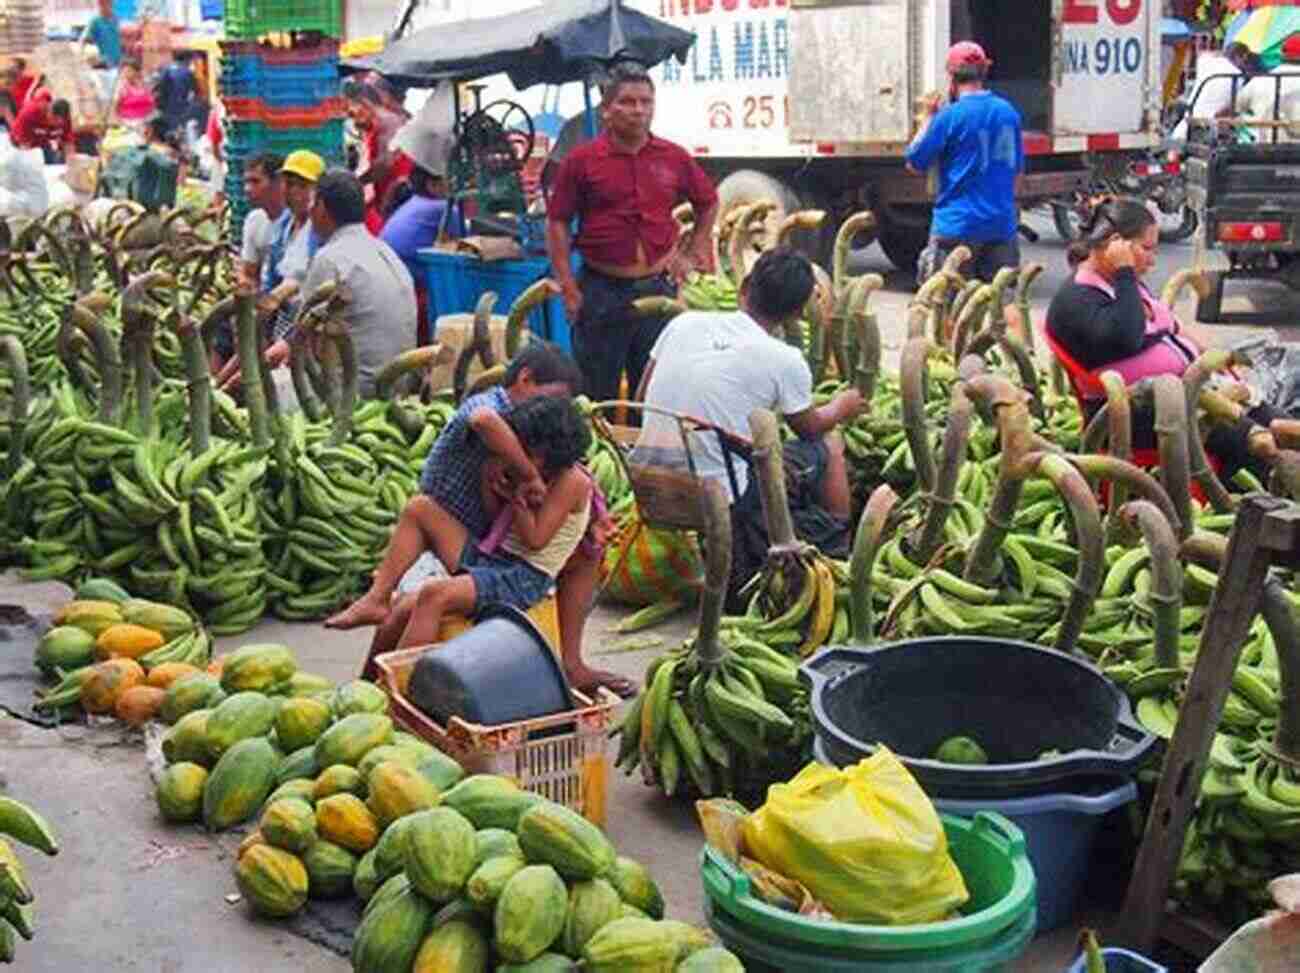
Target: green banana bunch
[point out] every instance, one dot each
(17, 908)
(798, 603)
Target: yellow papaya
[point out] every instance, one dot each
(345, 820)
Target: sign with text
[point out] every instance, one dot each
(1104, 54)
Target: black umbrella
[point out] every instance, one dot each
(551, 44)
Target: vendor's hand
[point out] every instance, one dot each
(1119, 253)
(228, 377)
(850, 404)
(680, 267)
(572, 300)
(277, 354)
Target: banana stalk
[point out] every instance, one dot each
(533, 297)
(717, 570)
(818, 338)
(958, 308)
(1194, 379)
(199, 383)
(138, 328)
(250, 366)
(1024, 284)
(866, 545)
(304, 391)
(658, 307)
(1192, 277)
(966, 322)
(1166, 593)
(85, 316)
(479, 345)
(336, 332)
(1011, 414)
(766, 435)
(804, 219)
(955, 437)
(415, 361)
(1171, 440)
(1279, 616)
(220, 313)
(913, 380)
(853, 224)
(20, 396)
(1089, 539)
(1125, 478)
(868, 333)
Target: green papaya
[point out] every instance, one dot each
(289, 823)
(273, 881)
(387, 753)
(390, 851)
(239, 717)
(359, 696)
(330, 868)
(180, 792)
(64, 647)
(300, 722)
(257, 668)
(439, 769)
(529, 914)
(630, 944)
(489, 801)
(440, 847)
(714, 959)
(365, 881)
(390, 933)
(486, 882)
(491, 842)
(592, 904)
(198, 691)
(636, 886)
(352, 737)
(546, 963)
(239, 783)
(302, 789)
(299, 765)
(340, 779)
(186, 740)
(552, 834)
(457, 946)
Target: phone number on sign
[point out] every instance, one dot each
(756, 111)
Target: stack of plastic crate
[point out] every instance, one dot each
(22, 26)
(279, 85)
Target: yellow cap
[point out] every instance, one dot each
(306, 164)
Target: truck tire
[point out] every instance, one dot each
(903, 244)
(751, 186)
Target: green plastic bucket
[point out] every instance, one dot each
(997, 925)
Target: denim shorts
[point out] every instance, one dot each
(503, 579)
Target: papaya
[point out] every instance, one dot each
(340, 779)
(167, 620)
(439, 769)
(490, 801)
(303, 789)
(257, 668)
(630, 944)
(632, 912)
(272, 880)
(546, 963)
(456, 946)
(162, 677)
(105, 681)
(239, 717)
(401, 738)
(138, 705)
(187, 739)
(239, 783)
(305, 683)
(300, 722)
(189, 693)
(90, 616)
(126, 641)
(102, 589)
(529, 914)
(396, 791)
(390, 850)
(690, 939)
(330, 870)
(345, 820)
(359, 696)
(391, 932)
(250, 839)
(387, 753)
(299, 765)
(714, 959)
(592, 904)
(180, 792)
(386, 890)
(552, 834)
(365, 880)
(64, 647)
(636, 886)
(491, 842)
(439, 853)
(485, 883)
(289, 823)
(352, 737)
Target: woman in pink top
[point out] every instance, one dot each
(135, 101)
(1105, 317)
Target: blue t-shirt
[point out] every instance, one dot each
(414, 225)
(104, 34)
(978, 146)
(281, 234)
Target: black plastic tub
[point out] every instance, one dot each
(500, 670)
(1016, 699)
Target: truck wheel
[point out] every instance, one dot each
(903, 245)
(751, 186)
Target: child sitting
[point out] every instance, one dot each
(544, 530)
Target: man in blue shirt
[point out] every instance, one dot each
(104, 32)
(976, 143)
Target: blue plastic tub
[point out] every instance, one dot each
(456, 282)
(1121, 961)
(1059, 833)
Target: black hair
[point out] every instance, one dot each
(155, 126)
(342, 196)
(548, 363)
(1244, 58)
(269, 162)
(621, 73)
(61, 108)
(779, 285)
(553, 428)
(971, 72)
(1123, 215)
(423, 182)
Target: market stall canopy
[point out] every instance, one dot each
(550, 44)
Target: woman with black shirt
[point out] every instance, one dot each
(1105, 317)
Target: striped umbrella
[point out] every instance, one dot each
(1264, 31)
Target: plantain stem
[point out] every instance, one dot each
(1278, 614)
(20, 399)
(956, 434)
(1194, 379)
(1089, 539)
(913, 379)
(717, 569)
(769, 469)
(250, 367)
(866, 545)
(1166, 592)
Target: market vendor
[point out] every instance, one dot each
(452, 486)
(19, 81)
(718, 367)
(622, 187)
(386, 165)
(105, 32)
(1104, 317)
(45, 123)
(134, 101)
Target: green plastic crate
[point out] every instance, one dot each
(248, 19)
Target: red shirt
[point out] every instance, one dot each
(21, 88)
(35, 127)
(622, 199)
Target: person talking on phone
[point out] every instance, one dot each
(976, 143)
(1105, 317)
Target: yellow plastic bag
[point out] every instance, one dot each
(865, 841)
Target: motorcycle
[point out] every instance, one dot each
(1156, 176)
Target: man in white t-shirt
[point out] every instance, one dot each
(264, 190)
(719, 367)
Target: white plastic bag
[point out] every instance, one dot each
(1267, 945)
(23, 191)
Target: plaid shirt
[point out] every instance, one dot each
(454, 467)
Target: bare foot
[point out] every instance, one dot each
(364, 611)
(587, 681)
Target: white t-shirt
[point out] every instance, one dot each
(718, 367)
(257, 237)
(293, 265)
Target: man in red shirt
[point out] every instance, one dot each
(46, 124)
(622, 187)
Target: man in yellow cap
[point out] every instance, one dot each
(293, 244)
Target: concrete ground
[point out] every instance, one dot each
(129, 893)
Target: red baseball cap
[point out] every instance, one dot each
(966, 54)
